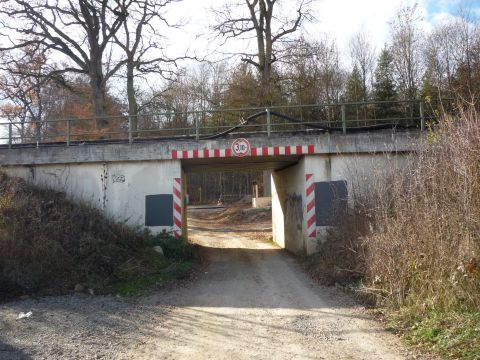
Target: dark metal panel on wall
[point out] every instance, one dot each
(159, 210)
(331, 201)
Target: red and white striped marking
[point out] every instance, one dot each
(255, 151)
(310, 200)
(177, 207)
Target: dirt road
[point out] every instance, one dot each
(253, 301)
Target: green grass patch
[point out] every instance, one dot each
(454, 335)
(173, 247)
(176, 270)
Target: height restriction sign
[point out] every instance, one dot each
(240, 147)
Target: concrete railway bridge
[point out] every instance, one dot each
(142, 180)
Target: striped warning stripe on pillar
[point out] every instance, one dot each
(177, 207)
(310, 200)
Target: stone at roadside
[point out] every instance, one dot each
(158, 249)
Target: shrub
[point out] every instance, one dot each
(49, 244)
(174, 248)
(424, 250)
(415, 239)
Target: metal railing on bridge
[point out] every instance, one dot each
(210, 124)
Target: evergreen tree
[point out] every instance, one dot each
(384, 85)
(354, 91)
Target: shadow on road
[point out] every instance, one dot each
(9, 352)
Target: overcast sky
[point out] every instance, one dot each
(341, 19)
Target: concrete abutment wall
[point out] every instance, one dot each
(119, 189)
(291, 212)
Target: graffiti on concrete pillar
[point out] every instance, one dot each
(118, 178)
(293, 212)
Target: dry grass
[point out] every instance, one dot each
(340, 259)
(424, 247)
(413, 241)
(49, 244)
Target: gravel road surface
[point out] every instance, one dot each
(251, 301)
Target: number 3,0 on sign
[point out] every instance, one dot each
(241, 147)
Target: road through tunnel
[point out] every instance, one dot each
(240, 186)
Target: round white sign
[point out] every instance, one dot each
(240, 147)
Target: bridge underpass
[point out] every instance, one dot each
(215, 168)
(143, 184)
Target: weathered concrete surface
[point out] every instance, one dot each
(289, 207)
(116, 178)
(117, 188)
(362, 172)
(262, 201)
(288, 187)
(387, 141)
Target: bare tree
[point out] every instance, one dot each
(312, 71)
(77, 31)
(406, 50)
(363, 58)
(263, 21)
(467, 54)
(141, 41)
(331, 75)
(452, 57)
(440, 58)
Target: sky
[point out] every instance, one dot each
(341, 19)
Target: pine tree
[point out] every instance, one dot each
(384, 85)
(354, 91)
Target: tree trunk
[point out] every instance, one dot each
(98, 93)
(132, 99)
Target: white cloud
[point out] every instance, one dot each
(341, 19)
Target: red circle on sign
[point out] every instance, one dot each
(240, 147)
